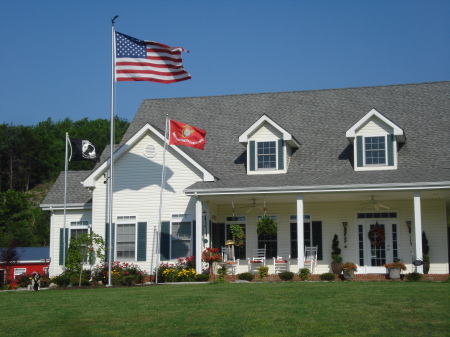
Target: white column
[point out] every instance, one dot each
(300, 238)
(418, 229)
(198, 236)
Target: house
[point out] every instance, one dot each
(346, 161)
(31, 259)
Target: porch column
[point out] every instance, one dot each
(300, 238)
(198, 236)
(418, 229)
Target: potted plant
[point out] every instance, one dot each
(348, 270)
(394, 268)
(425, 253)
(266, 225)
(336, 258)
(238, 235)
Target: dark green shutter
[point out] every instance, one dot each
(390, 149)
(280, 154)
(252, 155)
(107, 241)
(142, 241)
(165, 240)
(317, 238)
(63, 247)
(222, 238)
(359, 151)
(193, 238)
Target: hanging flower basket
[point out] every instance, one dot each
(266, 225)
(377, 236)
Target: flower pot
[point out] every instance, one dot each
(348, 274)
(335, 267)
(394, 273)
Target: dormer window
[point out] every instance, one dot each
(269, 147)
(267, 155)
(376, 141)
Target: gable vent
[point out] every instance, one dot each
(149, 151)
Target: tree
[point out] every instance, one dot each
(8, 258)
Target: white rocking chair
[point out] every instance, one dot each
(229, 261)
(258, 260)
(311, 258)
(282, 262)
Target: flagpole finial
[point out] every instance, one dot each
(114, 19)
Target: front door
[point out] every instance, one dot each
(378, 244)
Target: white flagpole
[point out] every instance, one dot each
(65, 203)
(111, 158)
(163, 180)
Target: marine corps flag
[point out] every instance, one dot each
(81, 149)
(188, 135)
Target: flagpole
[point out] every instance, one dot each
(111, 141)
(163, 180)
(65, 203)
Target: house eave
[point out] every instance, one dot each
(54, 207)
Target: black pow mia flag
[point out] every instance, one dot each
(82, 150)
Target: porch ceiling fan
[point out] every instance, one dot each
(375, 204)
(252, 206)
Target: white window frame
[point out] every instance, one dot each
(257, 168)
(385, 151)
(176, 218)
(126, 220)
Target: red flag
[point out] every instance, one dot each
(188, 135)
(138, 60)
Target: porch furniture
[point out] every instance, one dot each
(311, 258)
(258, 260)
(229, 260)
(282, 262)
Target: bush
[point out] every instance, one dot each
(62, 280)
(413, 277)
(246, 276)
(304, 274)
(286, 275)
(327, 277)
(202, 278)
(128, 280)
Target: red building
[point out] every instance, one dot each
(31, 259)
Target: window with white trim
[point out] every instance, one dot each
(126, 238)
(266, 155)
(375, 150)
(181, 227)
(77, 228)
(19, 271)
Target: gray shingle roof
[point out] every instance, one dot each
(318, 120)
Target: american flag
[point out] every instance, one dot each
(138, 60)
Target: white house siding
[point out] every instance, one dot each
(57, 222)
(332, 214)
(374, 127)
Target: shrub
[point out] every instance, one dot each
(304, 274)
(128, 280)
(62, 280)
(413, 277)
(263, 271)
(202, 278)
(327, 277)
(246, 276)
(286, 275)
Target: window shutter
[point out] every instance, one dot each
(107, 241)
(359, 151)
(390, 149)
(252, 155)
(63, 247)
(280, 154)
(165, 240)
(317, 238)
(142, 241)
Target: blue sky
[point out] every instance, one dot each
(56, 55)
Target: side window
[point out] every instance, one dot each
(181, 227)
(126, 238)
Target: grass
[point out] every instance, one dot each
(254, 309)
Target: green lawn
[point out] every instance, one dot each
(254, 309)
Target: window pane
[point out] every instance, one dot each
(266, 155)
(375, 150)
(126, 241)
(181, 239)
